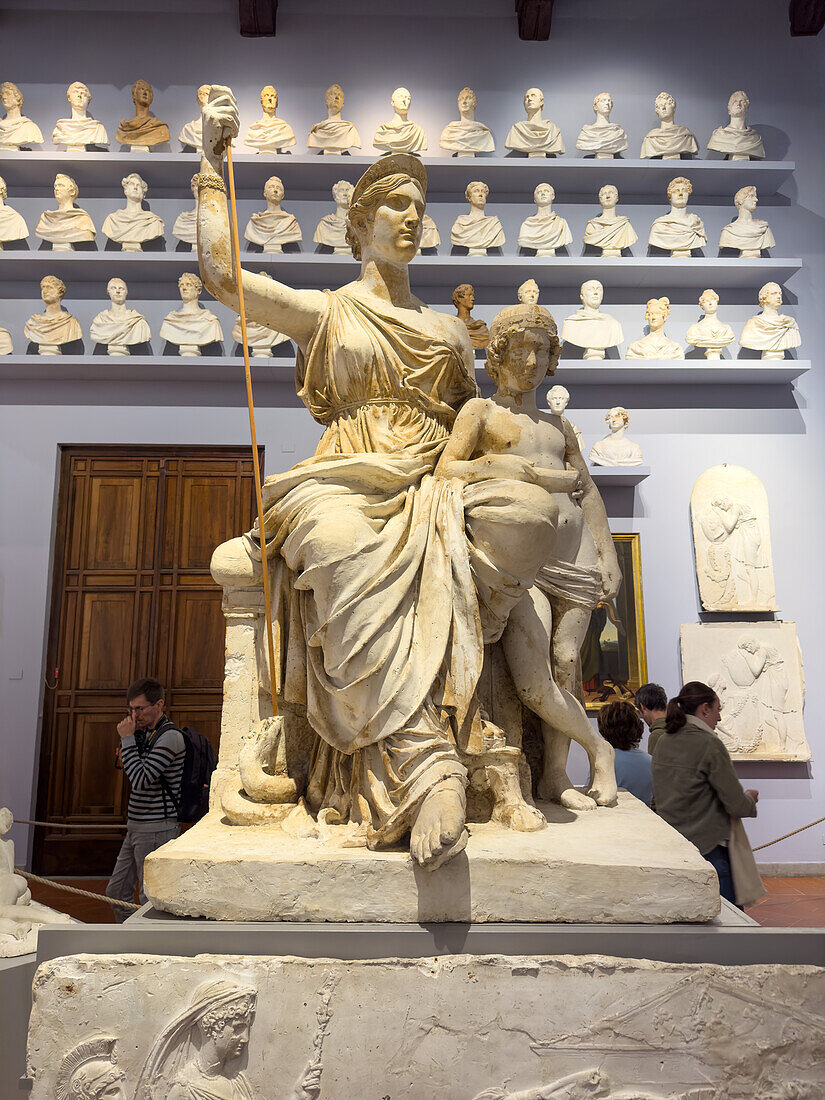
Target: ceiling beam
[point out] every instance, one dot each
(534, 19)
(806, 16)
(257, 18)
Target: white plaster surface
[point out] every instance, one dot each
(463, 1027)
(612, 865)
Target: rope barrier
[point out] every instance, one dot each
(62, 825)
(818, 821)
(75, 890)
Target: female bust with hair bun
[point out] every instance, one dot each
(695, 787)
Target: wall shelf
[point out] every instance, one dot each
(609, 476)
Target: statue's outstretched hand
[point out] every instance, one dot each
(221, 123)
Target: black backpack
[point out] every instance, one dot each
(198, 765)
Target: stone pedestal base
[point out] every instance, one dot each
(618, 865)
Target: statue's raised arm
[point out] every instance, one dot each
(293, 312)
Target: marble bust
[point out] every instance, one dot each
(269, 134)
(616, 449)
(669, 140)
(429, 234)
(656, 345)
(737, 140)
(528, 293)
(611, 232)
(16, 129)
(465, 137)
(771, 332)
(399, 135)
(191, 136)
(67, 225)
(477, 231)
(79, 131)
(464, 298)
(603, 138)
(747, 234)
(12, 224)
(678, 231)
(590, 329)
(119, 328)
(558, 398)
(535, 136)
(331, 230)
(6, 345)
(185, 228)
(273, 228)
(710, 333)
(132, 226)
(192, 326)
(259, 338)
(54, 326)
(332, 135)
(143, 130)
(545, 231)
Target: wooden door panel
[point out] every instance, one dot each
(207, 509)
(95, 784)
(198, 651)
(107, 626)
(113, 523)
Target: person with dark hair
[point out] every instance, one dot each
(652, 703)
(620, 726)
(152, 752)
(694, 784)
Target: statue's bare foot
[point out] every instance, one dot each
(603, 788)
(520, 817)
(439, 832)
(555, 786)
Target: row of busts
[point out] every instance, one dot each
(616, 449)
(192, 326)
(534, 136)
(678, 231)
(770, 331)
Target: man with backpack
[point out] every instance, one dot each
(153, 754)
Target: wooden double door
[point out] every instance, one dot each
(132, 596)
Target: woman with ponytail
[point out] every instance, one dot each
(695, 788)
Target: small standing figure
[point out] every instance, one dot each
(80, 131)
(536, 136)
(186, 223)
(90, 1072)
(16, 130)
(143, 131)
(590, 329)
(603, 138)
(558, 398)
(331, 230)
(464, 298)
(677, 231)
(119, 328)
(333, 136)
(545, 231)
(616, 449)
(269, 134)
(273, 228)
(68, 225)
(430, 237)
(611, 232)
(710, 333)
(669, 140)
(192, 326)
(747, 234)
(55, 326)
(771, 332)
(528, 293)
(399, 135)
(656, 345)
(133, 226)
(737, 140)
(12, 224)
(465, 137)
(191, 136)
(477, 231)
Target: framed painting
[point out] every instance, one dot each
(613, 654)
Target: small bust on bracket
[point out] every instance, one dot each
(186, 223)
(143, 131)
(464, 298)
(656, 345)
(16, 130)
(333, 136)
(535, 136)
(477, 231)
(133, 226)
(331, 230)
(528, 293)
(678, 231)
(771, 332)
(616, 449)
(269, 134)
(710, 333)
(590, 329)
(191, 136)
(611, 232)
(465, 137)
(12, 224)
(737, 140)
(669, 140)
(429, 233)
(68, 225)
(603, 138)
(273, 228)
(119, 328)
(399, 135)
(544, 231)
(192, 326)
(558, 398)
(259, 338)
(80, 131)
(747, 234)
(55, 326)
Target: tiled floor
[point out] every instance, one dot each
(791, 902)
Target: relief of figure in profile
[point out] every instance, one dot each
(90, 1072)
(588, 1084)
(755, 685)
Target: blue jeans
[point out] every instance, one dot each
(720, 858)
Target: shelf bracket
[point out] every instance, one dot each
(257, 18)
(534, 19)
(807, 17)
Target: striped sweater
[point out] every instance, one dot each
(160, 757)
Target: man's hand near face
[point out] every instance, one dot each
(126, 727)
